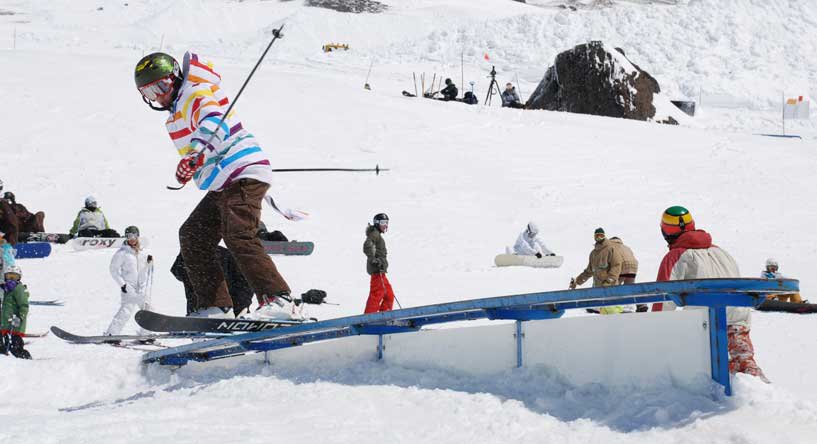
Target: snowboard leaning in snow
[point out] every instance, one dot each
(788, 307)
(104, 339)
(507, 260)
(54, 238)
(153, 321)
(292, 248)
(32, 250)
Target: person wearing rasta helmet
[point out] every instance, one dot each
(692, 255)
(381, 295)
(130, 268)
(225, 160)
(14, 313)
(604, 266)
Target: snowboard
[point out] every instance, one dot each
(108, 339)
(158, 322)
(291, 248)
(788, 307)
(96, 243)
(32, 250)
(508, 260)
(53, 303)
(54, 238)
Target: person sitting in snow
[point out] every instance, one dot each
(772, 272)
(450, 91)
(527, 244)
(8, 220)
(14, 313)
(510, 99)
(27, 222)
(91, 222)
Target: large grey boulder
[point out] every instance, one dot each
(592, 79)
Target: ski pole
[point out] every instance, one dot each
(276, 34)
(376, 169)
(398, 303)
(366, 85)
(413, 75)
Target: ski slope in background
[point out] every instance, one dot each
(464, 181)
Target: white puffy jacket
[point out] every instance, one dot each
(693, 256)
(130, 267)
(527, 245)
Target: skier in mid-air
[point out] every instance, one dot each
(224, 159)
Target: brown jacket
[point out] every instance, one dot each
(375, 250)
(604, 265)
(629, 264)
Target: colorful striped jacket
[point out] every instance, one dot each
(233, 153)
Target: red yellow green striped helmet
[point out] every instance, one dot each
(675, 221)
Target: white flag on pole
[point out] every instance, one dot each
(796, 108)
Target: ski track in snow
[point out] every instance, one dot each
(464, 181)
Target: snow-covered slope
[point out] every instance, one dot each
(464, 181)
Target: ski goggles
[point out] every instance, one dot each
(382, 222)
(157, 88)
(130, 236)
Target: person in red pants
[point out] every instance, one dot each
(381, 295)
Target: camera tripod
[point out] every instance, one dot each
(491, 87)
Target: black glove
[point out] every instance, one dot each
(124, 288)
(539, 255)
(150, 258)
(552, 254)
(313, 296)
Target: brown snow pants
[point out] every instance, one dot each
(231, 214)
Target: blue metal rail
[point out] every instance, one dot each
(717, 294)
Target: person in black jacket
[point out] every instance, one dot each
(237, 285)
(450, 91)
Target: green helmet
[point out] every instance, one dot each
(132, 230)
(155, 66)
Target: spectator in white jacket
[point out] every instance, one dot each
(131, 267)
(527, 244)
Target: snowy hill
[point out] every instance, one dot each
(464, 181)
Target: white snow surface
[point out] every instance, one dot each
(463, 182)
